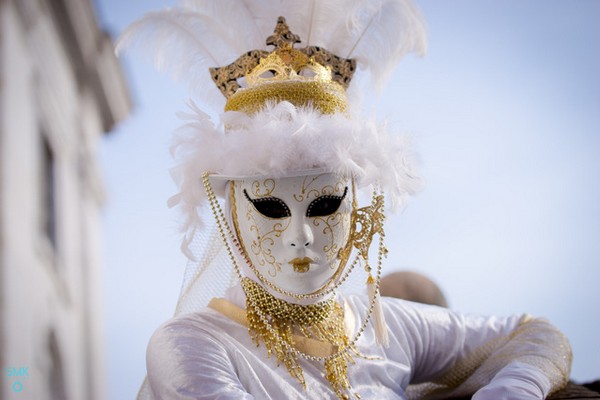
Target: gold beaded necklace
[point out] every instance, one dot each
(274, 322)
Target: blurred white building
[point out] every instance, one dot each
(61, 87)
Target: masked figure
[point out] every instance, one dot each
(276, 233)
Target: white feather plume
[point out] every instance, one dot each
(200, 34)
(183, 44)
(382, 32)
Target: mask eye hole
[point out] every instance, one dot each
(325, 205)
(270, 207)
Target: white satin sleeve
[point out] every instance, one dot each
(453, 354)
(185, 361)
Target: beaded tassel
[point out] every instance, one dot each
(381, 331)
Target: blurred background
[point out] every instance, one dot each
(504, 112)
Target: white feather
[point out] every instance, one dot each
(183, 44)
(239, 17)
(314, 21)
(381, 33)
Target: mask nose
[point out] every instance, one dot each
(301, 235)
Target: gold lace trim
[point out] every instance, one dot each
(327, 97)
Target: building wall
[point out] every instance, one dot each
(61, 88)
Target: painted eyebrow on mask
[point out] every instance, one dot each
(325, 205)
(270, 207)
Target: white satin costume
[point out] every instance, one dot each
(209, 355)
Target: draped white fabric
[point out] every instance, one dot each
(206, 355)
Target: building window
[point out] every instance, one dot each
(48, 191)
(55, 374)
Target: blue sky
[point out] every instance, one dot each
(505, 113)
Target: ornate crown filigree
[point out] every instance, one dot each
(308, 76)
(282, 64)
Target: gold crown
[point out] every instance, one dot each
(309, 76)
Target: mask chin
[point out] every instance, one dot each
(290, 232)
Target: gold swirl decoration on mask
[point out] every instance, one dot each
(310, 76)
(365, 224)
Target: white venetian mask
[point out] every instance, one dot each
(292, 229)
